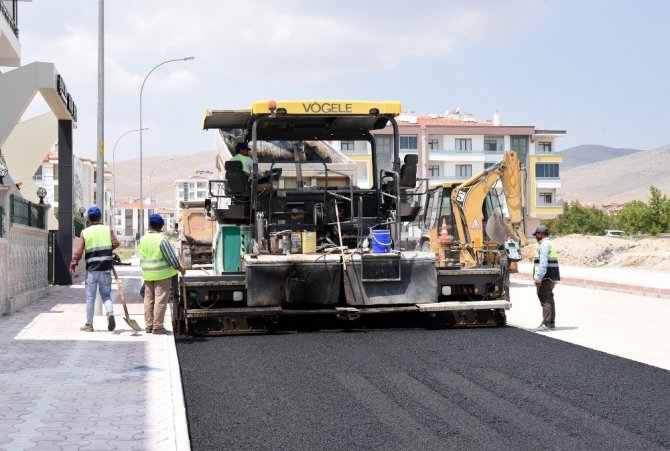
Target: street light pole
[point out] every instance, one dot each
(187, 58)
(114, 167)
(152, 174)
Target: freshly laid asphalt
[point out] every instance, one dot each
(502, 388)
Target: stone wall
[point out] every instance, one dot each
(23, 266)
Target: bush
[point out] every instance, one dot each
(577, 218)
(634, 217)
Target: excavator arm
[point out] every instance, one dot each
(468, 198)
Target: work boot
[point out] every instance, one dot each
(543, 327)
(111, 323)
(86, 328)
(149, 329)
(160, 331)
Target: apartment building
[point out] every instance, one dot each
(84, 186)
(454, 146)
(195, 187)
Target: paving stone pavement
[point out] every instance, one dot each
(63, 389)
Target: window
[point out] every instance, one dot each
(38, 174)
(546, 170)
(493, 144)
(408, 142)
(463, 170)
(348, 145)
(545, 198)
(185, 190)
(383, 150)
(463, 144)
(434, 170)
(520, 146)
(433, 144)
(544, 147)
(202, 185)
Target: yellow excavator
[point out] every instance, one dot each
(476, 245)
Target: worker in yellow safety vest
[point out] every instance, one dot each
(159, 265)
(242, 151)
(97, 245)
(241, 156)
(545, 275)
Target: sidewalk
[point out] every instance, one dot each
(624, 280)
(62, 389)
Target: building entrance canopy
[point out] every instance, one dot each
(17, 90)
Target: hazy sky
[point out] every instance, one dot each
(598, 69)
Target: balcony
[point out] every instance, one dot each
(548, 182)
(10, 16)
(10, 49)
(446, 179)
(541, 204)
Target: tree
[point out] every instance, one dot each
(658, 220)
(633, 217)
(577, 218)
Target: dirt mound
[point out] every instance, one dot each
(598, 251)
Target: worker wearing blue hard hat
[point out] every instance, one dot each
(156, 220)
(97, 245)
(159, 265)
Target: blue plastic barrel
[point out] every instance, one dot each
(381, 241)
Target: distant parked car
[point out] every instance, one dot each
(615, 233)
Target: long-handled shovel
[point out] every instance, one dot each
(131, 322)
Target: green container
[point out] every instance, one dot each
(231, 242)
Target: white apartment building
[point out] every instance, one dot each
(84, 186)
(195, 187)
(127, 219)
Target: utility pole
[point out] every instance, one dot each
(100, 176)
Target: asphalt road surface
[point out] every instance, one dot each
(413, 388)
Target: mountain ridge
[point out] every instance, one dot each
(619, 179)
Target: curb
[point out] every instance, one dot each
(603, 285)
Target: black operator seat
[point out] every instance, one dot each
(237, 181)
(408, 171)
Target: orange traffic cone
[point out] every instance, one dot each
(444, 235)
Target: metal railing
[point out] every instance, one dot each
(10, 18)
(26, 213)
(78, 226)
